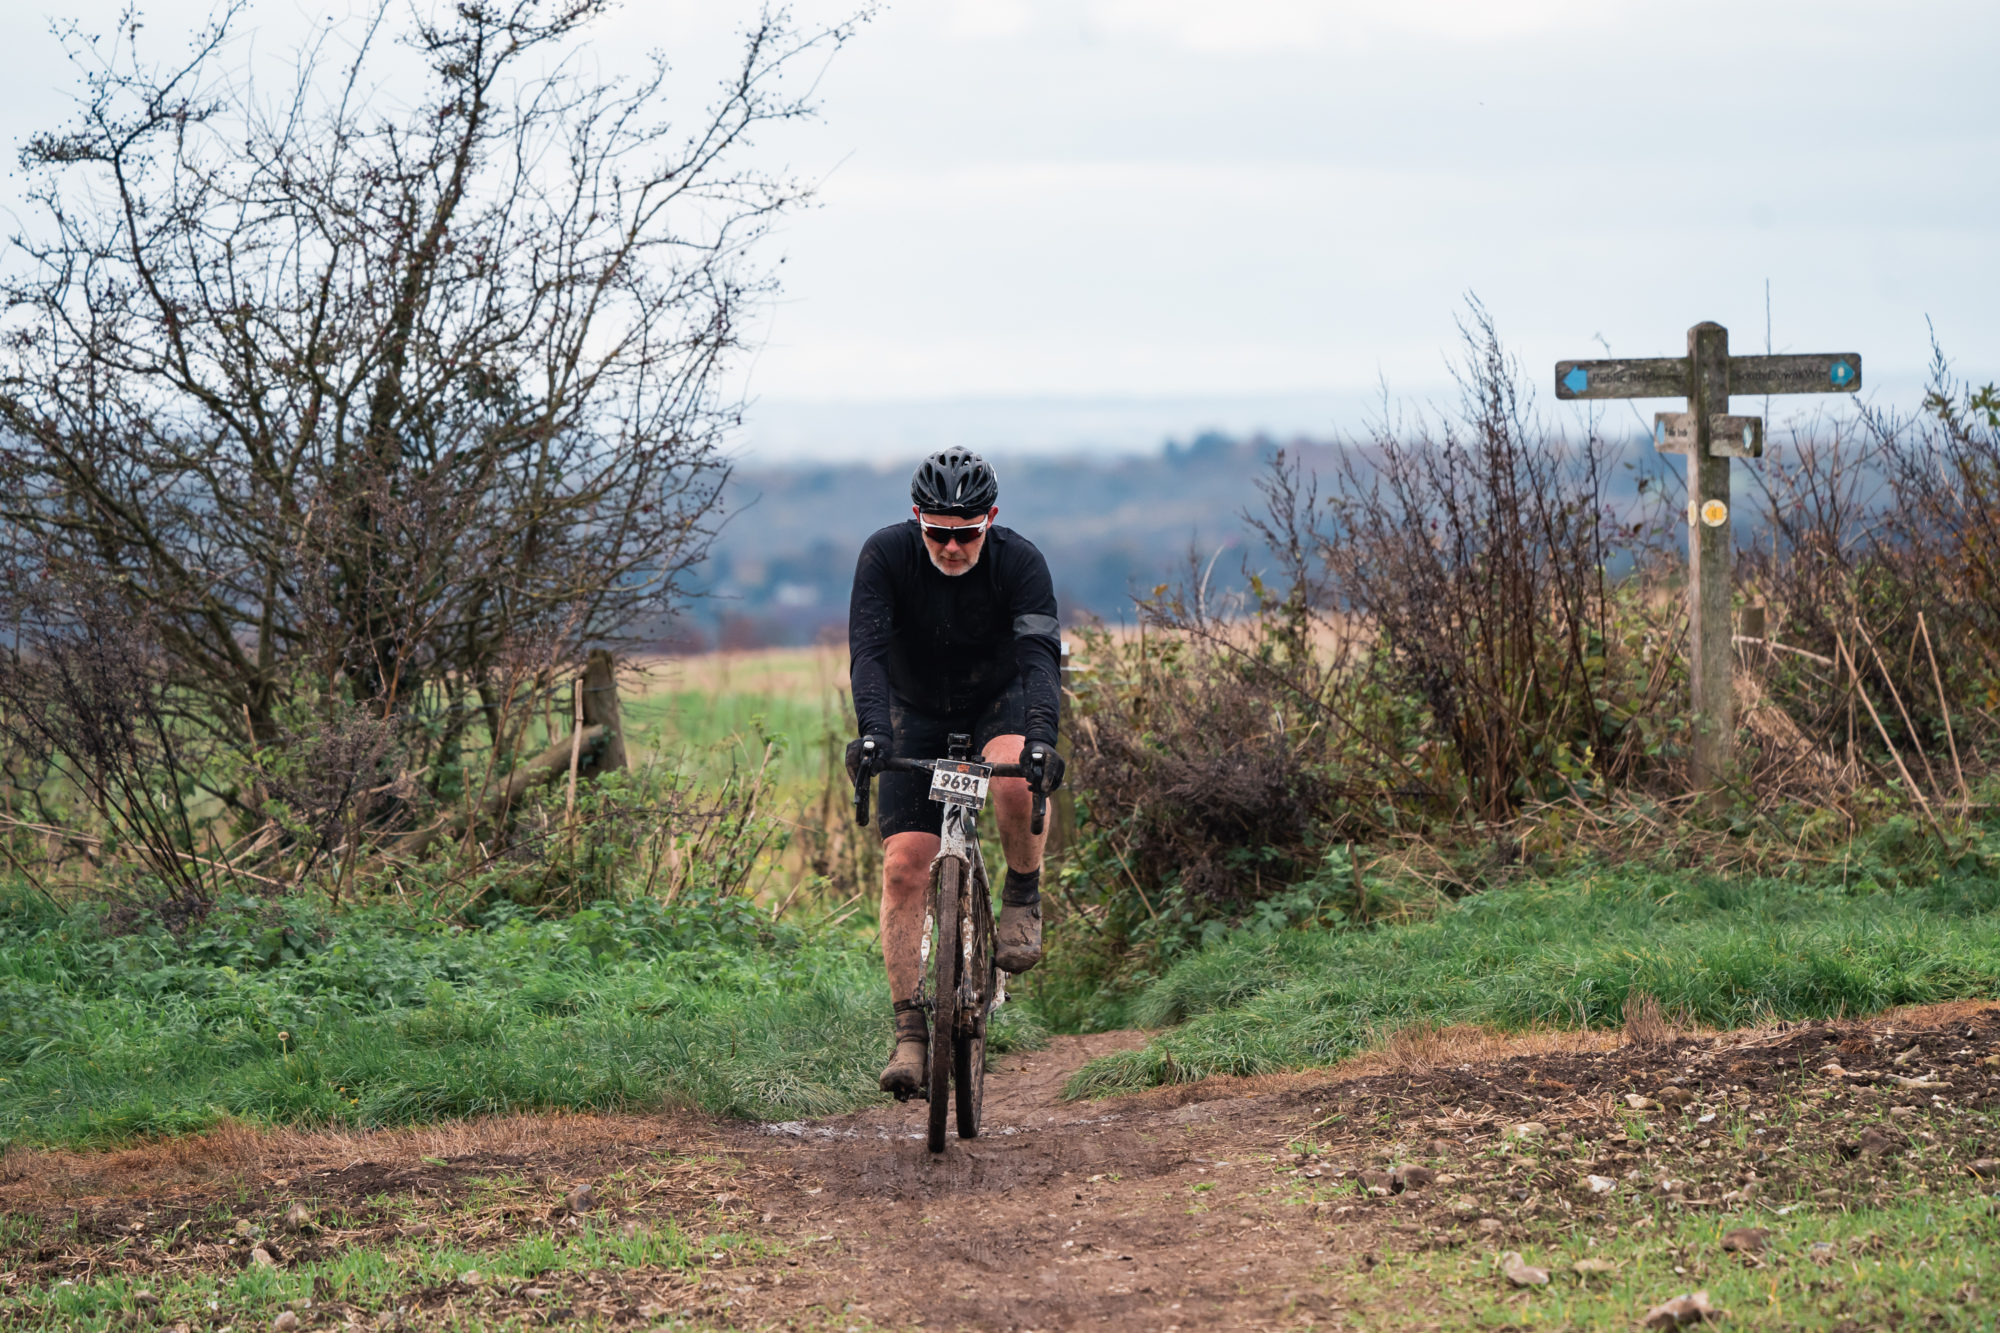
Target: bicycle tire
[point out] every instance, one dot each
(968, 1047)
(944, 1010)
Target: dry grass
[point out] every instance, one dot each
(808, 674)
(1418, 1048)
(1644, 1024)
(239, 1153)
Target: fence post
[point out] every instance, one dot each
(600, 709)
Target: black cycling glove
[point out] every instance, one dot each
(1041, 759)
(864, 755)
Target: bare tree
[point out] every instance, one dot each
(338, 395)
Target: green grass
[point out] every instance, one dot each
(288, 1015)
(1923, 1263)
(372, 1277)
(1565, 952)
(719, 732)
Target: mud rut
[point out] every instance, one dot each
(1137, 1213)
(1193, 1207)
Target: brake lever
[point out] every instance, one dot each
(861, 799)
(1041, 812)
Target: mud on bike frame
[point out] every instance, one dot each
(964, 985)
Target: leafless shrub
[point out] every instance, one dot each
(1438, 643)
(86, 697)
(1482, 555)
(1944, 471)
(319, 782)
(1878, 569)
(1214, 740)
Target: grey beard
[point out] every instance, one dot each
(938, 565)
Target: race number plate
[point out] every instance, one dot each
(960, 783)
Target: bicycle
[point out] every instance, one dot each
(965, 985)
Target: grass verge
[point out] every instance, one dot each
(1564, 952)
(281, 1013)
(1921, 1263)
(523, 1284)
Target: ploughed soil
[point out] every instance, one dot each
(1227, 1204)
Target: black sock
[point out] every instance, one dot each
(1022, 889)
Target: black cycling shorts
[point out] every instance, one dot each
(903, 800)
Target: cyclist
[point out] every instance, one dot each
(952, 628)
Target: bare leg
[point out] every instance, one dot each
(1017, 936)
(1013, 809)
(906, 881)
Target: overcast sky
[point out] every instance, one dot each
(1072, 222)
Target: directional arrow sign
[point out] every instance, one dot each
(1641, 377)
(1728, 436)
(1833, 372)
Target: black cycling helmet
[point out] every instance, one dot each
(956, 482)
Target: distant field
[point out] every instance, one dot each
(811, 675)
(708, 708)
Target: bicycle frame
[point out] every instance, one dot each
(959, 841)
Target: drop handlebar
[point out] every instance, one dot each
(1040, 808)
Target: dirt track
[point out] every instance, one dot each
(1183, 1208)
(1060, 1215)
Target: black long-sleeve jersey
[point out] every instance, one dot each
(945, 645)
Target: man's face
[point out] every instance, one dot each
(961, 553)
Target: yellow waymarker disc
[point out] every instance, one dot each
(1714, 513)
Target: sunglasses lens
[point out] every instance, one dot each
(965, 536)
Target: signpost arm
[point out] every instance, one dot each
(1710, 550)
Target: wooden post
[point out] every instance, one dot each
(575, 747)
(600, 709)
(1711, 645)
(1752, 626)
(1710, 438)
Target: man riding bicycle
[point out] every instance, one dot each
(952, 628)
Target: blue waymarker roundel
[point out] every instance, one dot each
(1840, 373)
(1577, 380)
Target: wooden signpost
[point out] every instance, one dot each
(1710, 437)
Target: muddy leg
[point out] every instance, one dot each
(906, 875)
(1013, 809)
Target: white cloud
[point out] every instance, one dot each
(1279, 25)
(989, 18)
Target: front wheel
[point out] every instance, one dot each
(944, 1013)
(968, 1046)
